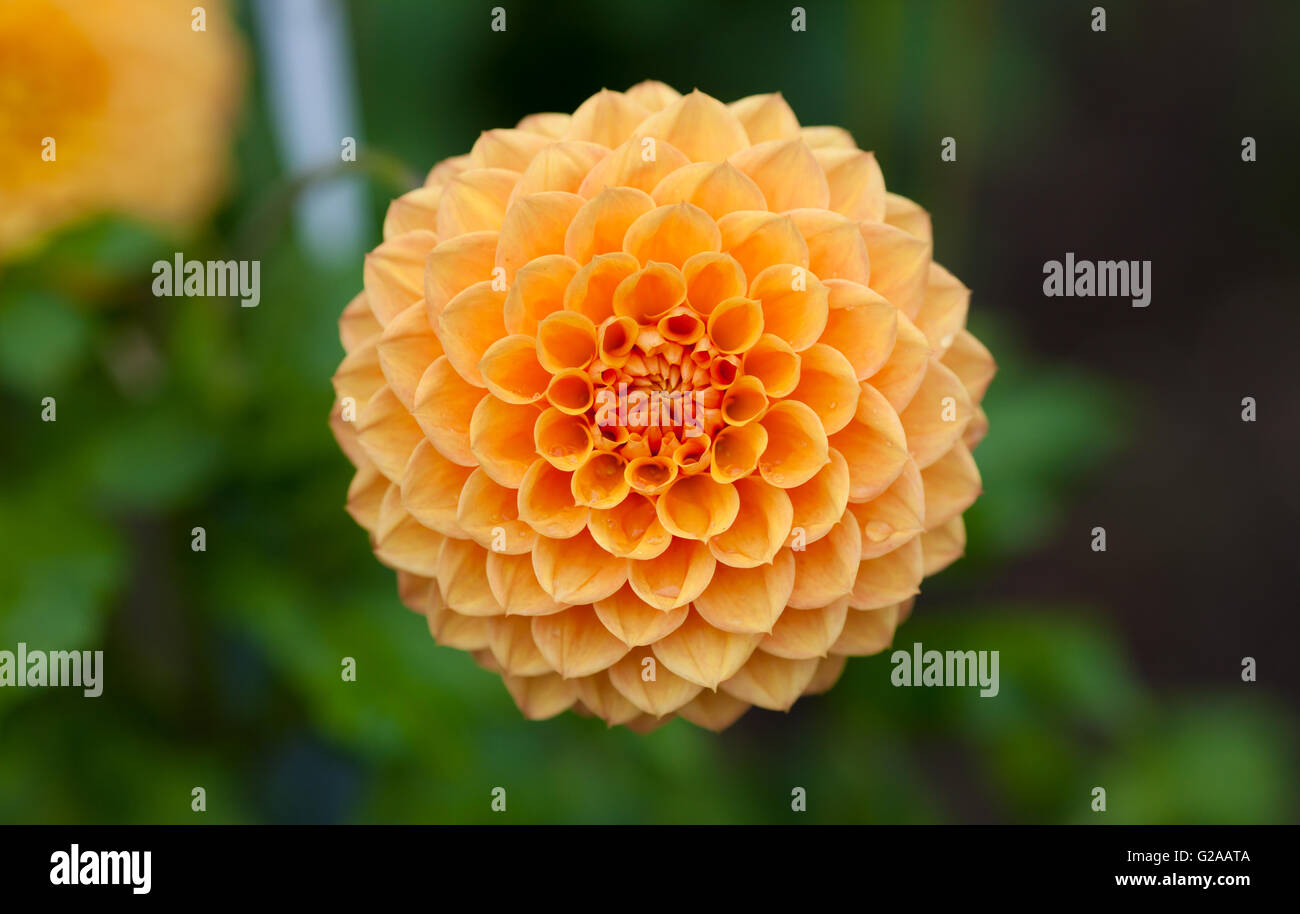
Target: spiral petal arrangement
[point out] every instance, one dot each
(661, 408)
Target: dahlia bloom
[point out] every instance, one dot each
(662, 407)
(136, 103)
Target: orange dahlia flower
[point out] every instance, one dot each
(660, 408)
(119, 106)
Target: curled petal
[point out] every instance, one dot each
(671, 234)
(795, 304)
(942, 545)
(900, 265)
(736, 450)
(828, 673)
(747, 601)
(406, 349)
(565, 339)
(359, 375)
(976, 429)
(501, 439)
(394, 273)
(575, 643)
(548, 124)
(570, 391)
(455, 265)
(743, 403)
(936, 417)
(401, 541)
(506, 148)
(640, 162)
(447, 169)
(788, 174)
(357, 323)
(835, 246)
(868, 631)
(591, 291)
(607, 118)
(630, 529)
(873, 444)
(431, 486)
(365, 495)
(771, 682)
(650, 293)
(891, 578)
(775, 364)
(650, 686)
(514, 585)
(758, 240)
(826, 569)
(682, 326)
(541, 697)
(823, 137)
(538, 290)
(735, 324)
(600, 226)
(653, 95)
(651, 475)
(952, 483)
(766, 117)
(972, 363)
(857, 186)
(546, 502)
(673, 578)
(635, 622)
(698, 507)
(515, 649)
(761, 526)
(469, 324)
(894, 516)
(387, 433)
(577, 570)
(702, 654)
(534, 225)
(714, 711)
(489, 513)
(712, 278)
(600, 483)
(451, 629)
(717, 188)
(444, 407)
(862, 325)
(699, 125)
(821, 501)
(415, 210)
(943, 312)
(796, 445)
(560, 166)
(462, 578)
(827, 383)
(908, 216)
(475, 201)
(563, 440)
(599, 695)
(511, 371)
(901, 375)
(808, 633)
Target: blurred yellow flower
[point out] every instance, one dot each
(112, 105)
(661, 408)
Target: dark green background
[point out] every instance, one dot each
(1119, 670)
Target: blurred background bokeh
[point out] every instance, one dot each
(1119, 669)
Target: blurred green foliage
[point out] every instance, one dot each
(222, 667)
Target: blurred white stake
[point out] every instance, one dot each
(311, 94)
